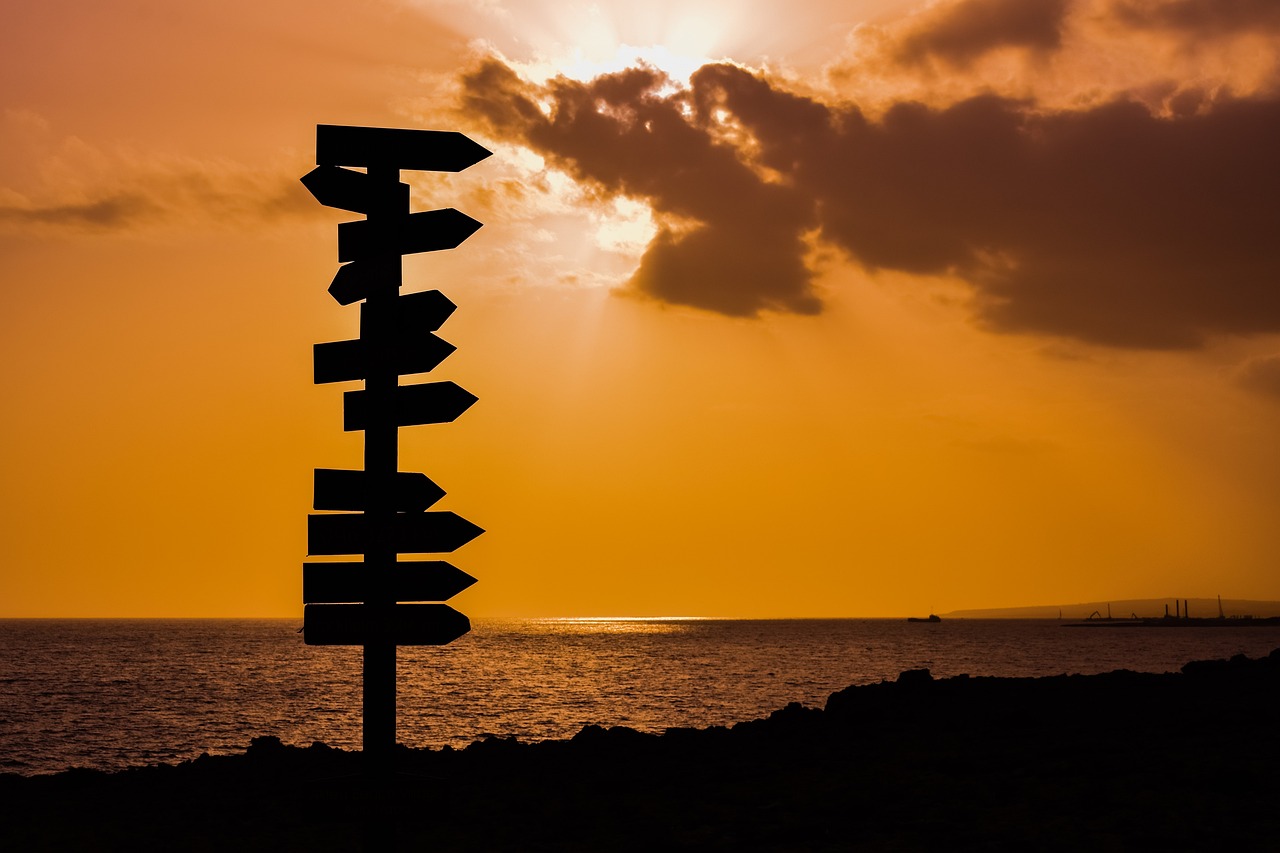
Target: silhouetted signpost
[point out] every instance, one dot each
(381, 512)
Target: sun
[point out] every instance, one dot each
(581, 41)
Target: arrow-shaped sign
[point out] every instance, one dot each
(410, 533)
(411, 405)
(355, 191)
(409, 315)
(402, 624)
(418, 580)
(350, 283)
(346, 361)
(428, 231)
(400, 340)
(342, 490)
(425, 150)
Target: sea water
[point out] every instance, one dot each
(115, 693)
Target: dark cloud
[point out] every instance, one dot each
(959, 33)
(115, 212)
(236, 197)
(729, 241)
(1109, 225)
(1199, 17)
(1262, 375)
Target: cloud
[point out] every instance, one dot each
(115, 212)
(1107, 224)
(1199, 17)
(1064, 54)
(68, 184)
(728, 240)
(1261, 374)
(958, 33)
(172, 199)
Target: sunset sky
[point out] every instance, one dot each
(780, 309)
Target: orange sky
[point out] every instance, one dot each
(887, 309)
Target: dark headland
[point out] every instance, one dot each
(1120, 761)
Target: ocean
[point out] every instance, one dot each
(108, 694)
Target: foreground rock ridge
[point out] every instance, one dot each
(1123, 760)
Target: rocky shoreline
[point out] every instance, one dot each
(1119, 761)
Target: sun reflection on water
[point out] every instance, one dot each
(620, 624)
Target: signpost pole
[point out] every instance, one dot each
(381, 461)
(380, 512)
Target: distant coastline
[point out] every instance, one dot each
(1124, 609)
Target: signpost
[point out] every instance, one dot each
(410, 532)
(380, 512)
(338, 489)
(411, 580)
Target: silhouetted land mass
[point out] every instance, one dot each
(1123, 608)
(1121, 761)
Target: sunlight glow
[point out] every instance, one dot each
(585, 64)
(608, 38)
(625, 226)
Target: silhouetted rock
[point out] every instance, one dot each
(264, 746)
(1124, 760)
(915, 677)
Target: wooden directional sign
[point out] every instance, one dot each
(346, 361)
(410, 314)
(428, 231)
(410, 580)
(401, 624)
(351, 283)
(408, 533)
(401, 341)
(411, 405)
(380, 512)
(349, 491)
(354, 191)
(424, 150)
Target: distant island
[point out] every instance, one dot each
(1125, 608)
